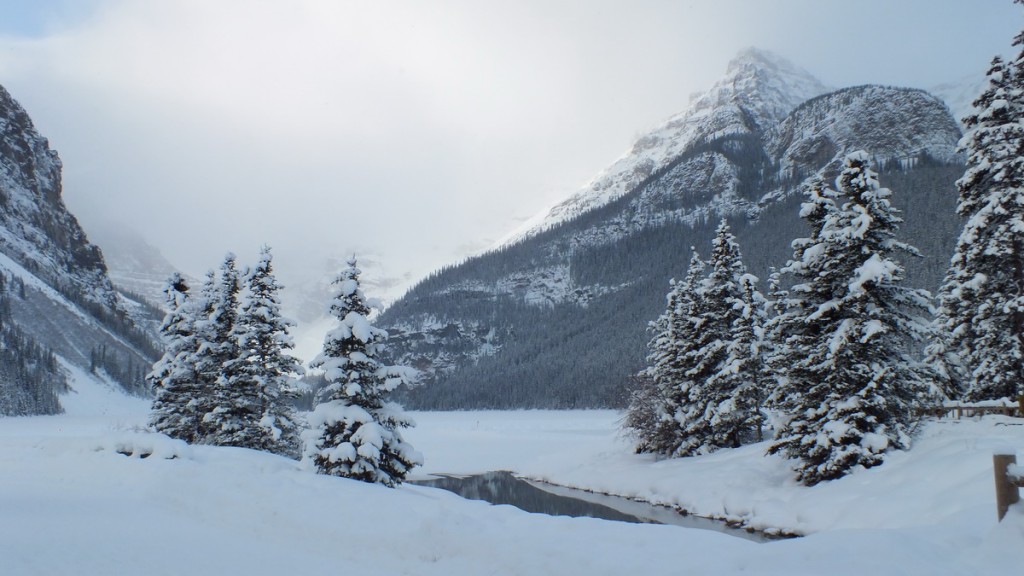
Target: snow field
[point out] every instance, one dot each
(71, 504)
(947, 474)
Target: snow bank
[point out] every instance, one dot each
(948, 473)
(76, 497)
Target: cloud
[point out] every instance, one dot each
(410, 130)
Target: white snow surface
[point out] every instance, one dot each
(72, 503)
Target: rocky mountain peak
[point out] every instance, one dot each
(24, 155)
(901, 125)
(757, 91)
(764, 84)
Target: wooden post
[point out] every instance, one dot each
(1007, 493)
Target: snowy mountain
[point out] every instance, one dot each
(556, 317)
(758, 89)
(59, 301)
(814, 135)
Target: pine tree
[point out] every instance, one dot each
(355, 429)
(721, 408)
(706, 372)
(946, 371)
(651, 417)
(231, 407)
(745, 371)
(982, 297)
(788, 307)
(173, 379)
(266, 366)
(849, 387)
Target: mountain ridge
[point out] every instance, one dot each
(601, 265)
(758, 87)
(60, 304)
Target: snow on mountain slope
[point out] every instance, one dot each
(35, 227)
(584, 281)
(894, 125)
(55, 281)
(707, 181)
(92, 396)
(703, 187)
(758, 89)
(133, 263)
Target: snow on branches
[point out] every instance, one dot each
(705, 381)
(981, 318)
(226, 375)
(848, 385)
(355, 430)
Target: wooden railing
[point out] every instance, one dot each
(1009, 481)
(967, 410)
(1009, 477)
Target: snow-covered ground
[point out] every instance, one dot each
(70, 503)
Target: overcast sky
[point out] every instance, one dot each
(416, 132)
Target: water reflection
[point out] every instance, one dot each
(541, 498)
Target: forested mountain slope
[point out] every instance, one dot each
(557, 317)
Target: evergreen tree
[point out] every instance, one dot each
(232, 413)
(849, 385)
(654, 406)
(706, 372)
(745, 371)
(173, 379)
(722, 406)
(266, 367)
(946, 371)
(355, 429)
(982, 297)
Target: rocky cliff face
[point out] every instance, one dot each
(56, 290)
(895, 125)
(36, 229)
(565, 305)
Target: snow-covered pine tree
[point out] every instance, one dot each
(355, 430)
(173, 380)
(850, 386)
(982, 297)
(721, 407)
(745, 371)
(266, 366)
(789, 306)
(233, 411)
(651, 416)
(706, 375)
